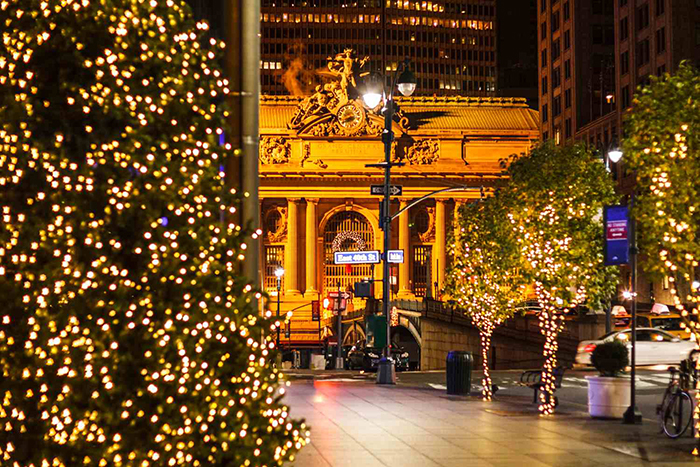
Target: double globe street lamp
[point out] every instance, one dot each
(405, 81)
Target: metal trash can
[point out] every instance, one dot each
(459, 372)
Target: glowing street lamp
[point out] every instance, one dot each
(279, 272)
(405, 82)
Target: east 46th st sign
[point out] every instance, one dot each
(394, 190)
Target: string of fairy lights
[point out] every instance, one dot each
(127, 337)
(676, 254)
(482, 282)
(552, 273)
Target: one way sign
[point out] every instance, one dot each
(394, 190)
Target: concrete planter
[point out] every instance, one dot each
(608, 397)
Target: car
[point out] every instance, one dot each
(670, 322)
(654, 346)
(361, 357)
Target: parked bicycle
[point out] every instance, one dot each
(676, 409)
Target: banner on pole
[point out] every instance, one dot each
(617, 243)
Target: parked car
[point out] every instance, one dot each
(361, 357)
(654, 346)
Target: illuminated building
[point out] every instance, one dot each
(452, 44)
(315, 187)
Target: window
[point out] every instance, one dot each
(567, 128)
(543, 31)
(544, 85)
(421, 266)
(567, 69)
(556, 78)
(625, 97)
(597, 7)
(623, 2)
(642, 16)
(274, 259)
(556, 106)
(642, 57)
(697, 32)
(624, 28)
(661, 70)
(567, 39)
(660, 40)
(545, 135)
(545, 114)
(660, 7)
(544, 57)
(567, 98)
(624, 62)
(556, 50)
(567, 11)
(555, 21)
(544, 5)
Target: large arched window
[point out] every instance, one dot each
(355, 226)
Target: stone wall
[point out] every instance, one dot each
(515, 345)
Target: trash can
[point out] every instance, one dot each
(459, 372)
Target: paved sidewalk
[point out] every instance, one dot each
(358, 423)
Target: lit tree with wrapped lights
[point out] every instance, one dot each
(485, 274)
(558, 194)
(127, 337)
(661, 146)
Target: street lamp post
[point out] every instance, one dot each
(279, 272)
(632, 415)
(405, 81)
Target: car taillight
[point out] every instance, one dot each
(589, 348)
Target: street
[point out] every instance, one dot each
(354, 421)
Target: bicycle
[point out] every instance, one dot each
(676, 408)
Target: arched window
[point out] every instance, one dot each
(354, 226)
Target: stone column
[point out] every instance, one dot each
(440, 244)
(311, 246)
(405, 245)
(291, 252)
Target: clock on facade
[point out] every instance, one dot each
(351, 118)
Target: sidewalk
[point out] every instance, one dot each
(359, 423)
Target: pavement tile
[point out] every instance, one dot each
(405, 459)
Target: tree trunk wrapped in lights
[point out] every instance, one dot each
(484, 276)
(558, 194)
(662, 147)
(126, 335)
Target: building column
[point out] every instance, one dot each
(291, 252)
(311, 246)
(440, 245)
(405, 245)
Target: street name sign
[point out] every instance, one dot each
(357, 257)
(394, 190)
(395, 256)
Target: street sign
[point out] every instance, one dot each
(394, 190)
(395, 256)
(356, 257)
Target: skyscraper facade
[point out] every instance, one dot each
(452, 45)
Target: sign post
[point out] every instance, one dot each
(394, 190)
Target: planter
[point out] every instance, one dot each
(608, 397)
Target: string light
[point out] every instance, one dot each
(126, 336)
(483, 277)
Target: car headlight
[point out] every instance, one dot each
(372, 355)
(404, 355)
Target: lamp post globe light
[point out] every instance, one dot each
(279, 272)
(632, 415)
(405, 81)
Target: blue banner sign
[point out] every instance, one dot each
(617, 244)
(356, 257)
(395, 256)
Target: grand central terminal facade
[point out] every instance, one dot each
(315, 188)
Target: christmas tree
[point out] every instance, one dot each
(127, 337)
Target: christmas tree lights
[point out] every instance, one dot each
(661, 146)
(558, 194)
(484, 277)
(127, 336)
